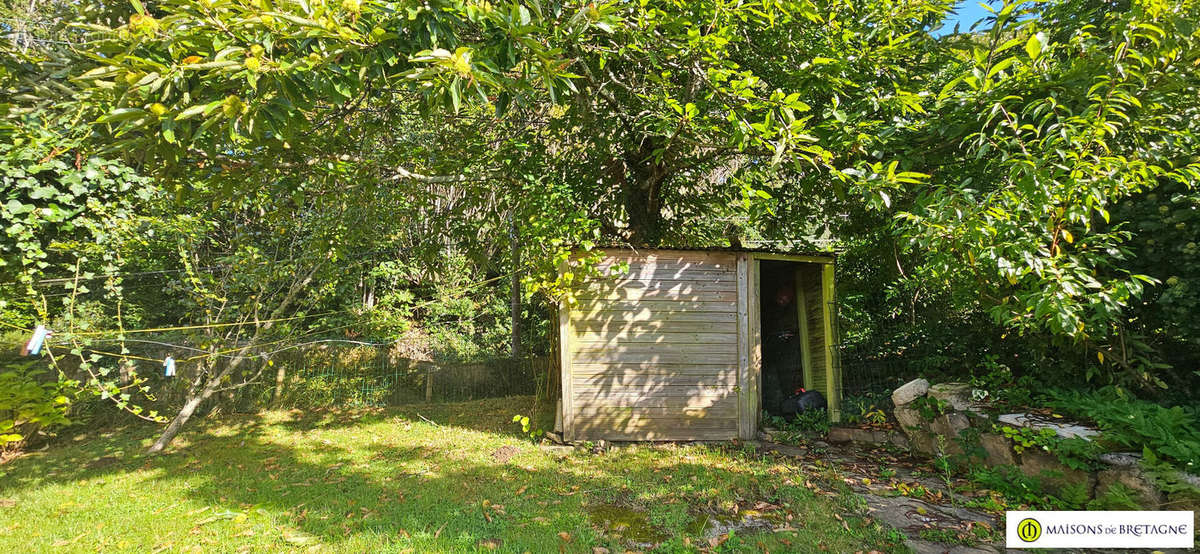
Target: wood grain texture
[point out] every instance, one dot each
(664, 337)
(665, 357)
(755, 346)
(655, 255)
(656, 306)
(581, 368)
(666, 433)
(833, 379)
(598, 286)
(654, 350)
(638, 315)
(745, 387)
(677, 293)
(651, 348)
(726, 411)
(598, 399)
(615, 380)
(565, 361)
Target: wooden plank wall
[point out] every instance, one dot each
(811, 282)
(654, 352)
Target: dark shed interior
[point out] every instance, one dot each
(782, 369)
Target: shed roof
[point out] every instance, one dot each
(826, 254)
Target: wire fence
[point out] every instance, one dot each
(881, 348)
(332, 374)
(361, 376)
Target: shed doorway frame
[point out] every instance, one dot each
(830, 381)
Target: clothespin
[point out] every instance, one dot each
(169, 367)
(35, 343)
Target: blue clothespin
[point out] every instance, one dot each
(35, 343)
(169, 367)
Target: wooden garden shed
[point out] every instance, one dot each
(669, 344)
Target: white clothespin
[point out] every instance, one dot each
(169, 367)
(35, 343)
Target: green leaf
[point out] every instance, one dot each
(1034, 45)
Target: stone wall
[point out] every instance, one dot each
(943, 421)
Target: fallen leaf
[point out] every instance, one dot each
(564, 536)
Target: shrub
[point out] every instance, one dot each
(1171, 433)
(29, 403)
(1021, 490)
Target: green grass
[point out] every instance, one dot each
(419, 479)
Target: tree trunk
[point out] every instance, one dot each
(641, 187)
(645, 215)
(280, 377)
(190, 407)
(515, 296)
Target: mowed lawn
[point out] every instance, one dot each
(432, 478)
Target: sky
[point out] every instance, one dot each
(969, 11)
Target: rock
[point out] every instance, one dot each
(956, 395)
(554, 437)
(909, 418)
(923, 441)
(1052, 473)
(911, 515)
(1142, 491)
(999, 450)
(787, 450)
(920, 546)
(1064, 430)
(910, 391)
(867, 436)
(949, 425)
(1121, 459)
(841, 434)
(557, 450)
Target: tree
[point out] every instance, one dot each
(1040, 139)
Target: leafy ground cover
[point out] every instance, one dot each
(428, 478)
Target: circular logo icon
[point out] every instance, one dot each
(1029, 529)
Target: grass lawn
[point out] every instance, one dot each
(429, 478)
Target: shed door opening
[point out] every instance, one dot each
(792, 332)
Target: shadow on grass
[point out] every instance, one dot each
(416, 477)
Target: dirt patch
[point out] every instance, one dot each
(627, 524)
(505, 453)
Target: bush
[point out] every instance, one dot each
(1172, 434)
(29, 402)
